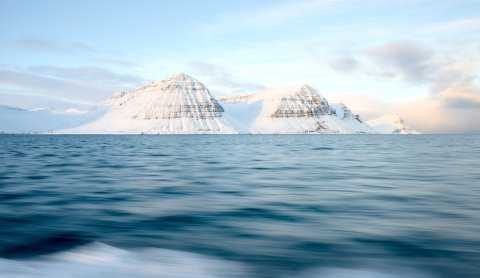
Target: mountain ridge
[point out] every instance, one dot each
(180, 104)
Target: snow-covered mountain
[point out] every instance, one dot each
(179, 104)
(296, 110)
(391, 124)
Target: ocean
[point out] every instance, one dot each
(240, 206)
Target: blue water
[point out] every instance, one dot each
(240, 206)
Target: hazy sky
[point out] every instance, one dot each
(419, 59)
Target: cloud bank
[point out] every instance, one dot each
(64, 85)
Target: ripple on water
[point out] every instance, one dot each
(279, 206)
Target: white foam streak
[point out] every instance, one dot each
(362, 273)
(101, 260)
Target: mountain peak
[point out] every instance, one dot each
(305, 88)
(308, 87)
(181, 76)
(181, 79)
(391, 124)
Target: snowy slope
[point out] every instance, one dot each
(14, 120)
(177, 105)
(391, 124)
(295, 110)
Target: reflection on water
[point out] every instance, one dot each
(239, 206)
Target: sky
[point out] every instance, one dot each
(419, 59)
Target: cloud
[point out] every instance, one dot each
(33, 44)
(427, 115)
(287, 12)
(90, 73)
(345, 65)
(83, 47)
(462, 99)
(455, 87)
(435, 115)
(452, 104)
(409, 61)
(465, 24)
(452, 107)
(50, 87)
(25, 99)
(222, 80)
(116, 62)
(37, 44)
(275, 15)
(82, 85)
(45, 45)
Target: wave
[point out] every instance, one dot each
(102, 260)
(363, 273)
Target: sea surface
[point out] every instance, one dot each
(240, 206)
